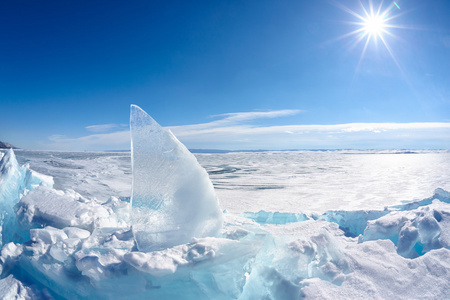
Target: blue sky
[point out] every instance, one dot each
(224, 74)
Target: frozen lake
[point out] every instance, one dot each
(333, 227)
(284, 181)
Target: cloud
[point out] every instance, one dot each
(232, 119)
(242, 131)
(209, 128)
(119, 140)
(246, 116)
(104, 127)
(350, 135)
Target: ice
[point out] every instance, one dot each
(8, 258)
(75, 232)
(414, 232)
(378, 272)
(319, 181)
(315, 260)
(263, 217)
(173, 199)
(104, 265)
(283, 181)
(13, 289)
(15, 181)
(353, 223)
(69, 244)
(59, 209)
(92, 174)
(308, 258)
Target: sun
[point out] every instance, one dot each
(372, 24)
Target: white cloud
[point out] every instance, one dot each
(210, 128)
(234, 131)
(104, 127)
(231, 119)
(119, 140)
(246, 116)
(351, 135)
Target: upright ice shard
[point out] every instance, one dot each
(173, 199)
(11, 186)
(15, 181)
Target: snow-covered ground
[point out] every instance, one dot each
(301, 224)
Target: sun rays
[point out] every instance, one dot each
(373, 24)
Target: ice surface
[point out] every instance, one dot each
(318, 181)
(173, 199)
(92, 174)
(71, 245)
(290, 182)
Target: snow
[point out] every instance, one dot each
(318, 181)
(11, 288)
(414, 232)
(171, 191)
(379, 273)
(49, 206)
(67, 243)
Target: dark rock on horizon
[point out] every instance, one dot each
(4, 145)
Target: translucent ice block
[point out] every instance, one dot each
(173, 199)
